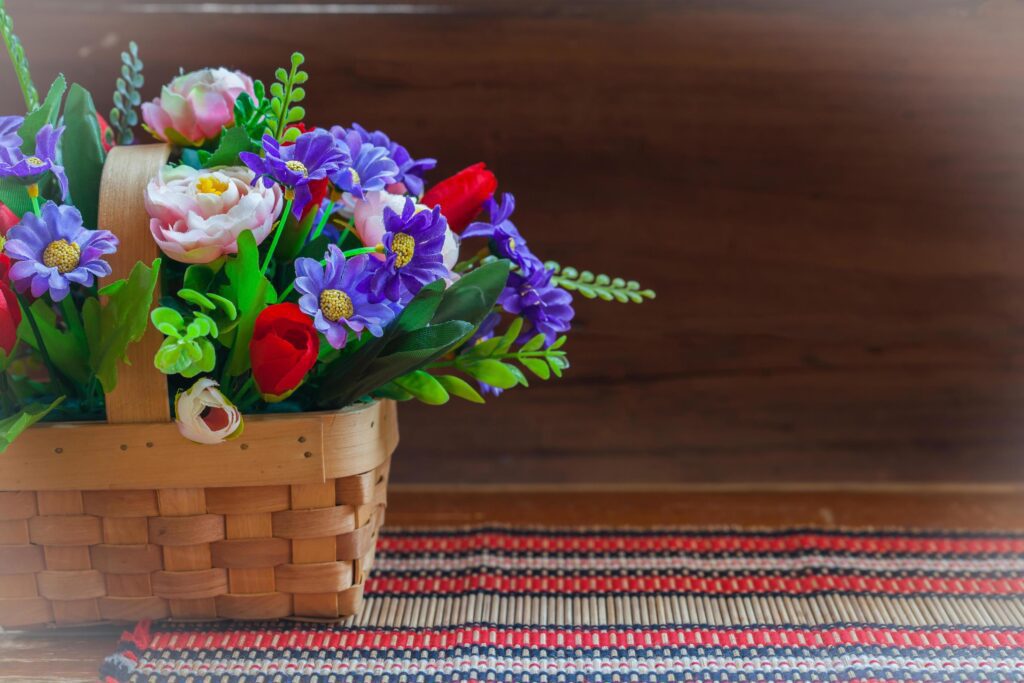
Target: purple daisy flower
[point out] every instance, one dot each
(410, 171)
(312, 157)
(371, 169)
(53, 251)
(506, 241)
(28, 169)
(546, 309)
(334, 295)
(413, 241)
(9, 126)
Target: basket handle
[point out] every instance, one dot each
(141, 392)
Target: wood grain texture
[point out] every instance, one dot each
(826, 196)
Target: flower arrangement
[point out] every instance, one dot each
(303, 268)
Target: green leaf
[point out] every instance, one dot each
(226, 306)
(424, 387)
(510, 336)
(194, 297)
(598, 286)
(537, 367)
(122, 320)
(473, 295)
(11, 427)
(18, 59)
(232, 141)
(493, 372)
(66, 350)
(419, 312)
(47, 113)
(392, 391)
(558, 343)
(251, 292)
(82, 153)
(534, 344)
(200, 276)
(456, 386)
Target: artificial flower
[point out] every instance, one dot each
(10, 318)
(196, 107)
(368, 221)
(318, 188)
(371, 168)
(410, 171)
(413, 241)
(52, 251)
(313, 156)
(334, 295)
(205, 415)
(484, 332)
(8, 219)
(9, 126)
(462, 196)
(28, 169)
(196, 216)
(545, 308)
(283, 349)
(506, 241)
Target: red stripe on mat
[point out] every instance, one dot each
(438, 638)
(683, 543)
(485, 579)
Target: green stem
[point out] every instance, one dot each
(277, 235)
(500, 356)
(323, 220)
(242, 397)
(6, 396)
(33, 194)
(55, 376)
(72, 319)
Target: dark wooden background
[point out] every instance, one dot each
(827, 195)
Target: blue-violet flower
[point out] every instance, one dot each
(52, 251)
(28, 169)
(311, 158)
(9, 126)
(410, 171)
(506, 241)
(371, 168)
(545, 308)
(414, 257)
(334, 295)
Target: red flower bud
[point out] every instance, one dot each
(463, 195)
(7, 220)
(284, 347)
(10, 318)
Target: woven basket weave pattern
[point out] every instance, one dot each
(74, 557)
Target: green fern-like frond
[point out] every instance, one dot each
(285, 93)
(598, 286)
(18, 59)
(125, 116)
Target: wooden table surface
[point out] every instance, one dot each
(73, 655)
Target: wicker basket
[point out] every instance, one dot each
(126, 520)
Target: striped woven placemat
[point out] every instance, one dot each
(544, 604)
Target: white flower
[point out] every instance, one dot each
(196, 216)
(205, 415)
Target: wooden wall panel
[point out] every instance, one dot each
(828, 196)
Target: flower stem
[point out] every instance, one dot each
(55, 376)
(278, 231)
(33, 194)
(323, 220)
(73, 320)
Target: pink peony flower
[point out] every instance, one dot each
(197, 216)
(368, 216)
(196, 106)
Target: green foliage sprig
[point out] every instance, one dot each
(125, 116)
(187, 349)
(285, 93)
(598, 286)
(18, 59)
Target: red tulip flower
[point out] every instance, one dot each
(10, 318)
(283, 349)
(462, 196)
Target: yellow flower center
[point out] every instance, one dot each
(336, 305)
(62, 255)
(211, 184)
(355, 176)
(511, 244)
(296, 167)
(35, 161)
(404, 247)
